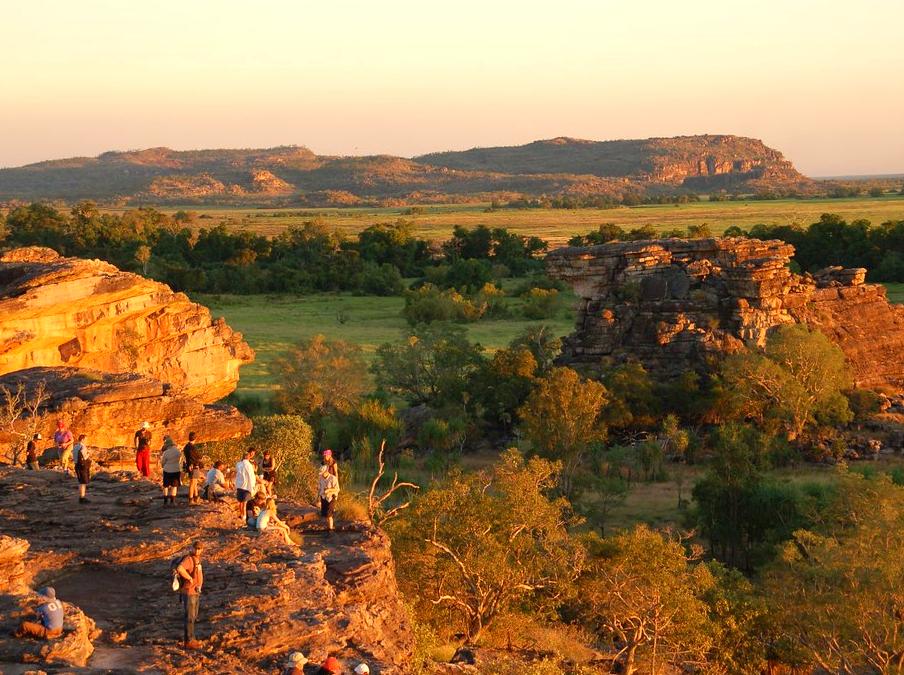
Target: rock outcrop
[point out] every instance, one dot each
(673, 303)
(57, 311)
(262, 599)
(110, 407)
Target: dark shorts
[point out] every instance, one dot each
(83, 472)
(172, 479)
(327, 508)
(242, 495)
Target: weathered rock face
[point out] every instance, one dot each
(110, 407)
(262, 599)
(673, 303)
(57, 311)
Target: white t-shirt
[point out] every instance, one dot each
(215, 478)
(244, 476)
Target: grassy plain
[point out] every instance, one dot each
(272, 324)
(557, 225)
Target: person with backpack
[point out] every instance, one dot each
(31, 453)
(192, 466)
(143, 450)
(171, 464)
(328, 489)
(190, 579)
(82, 468)
(245, 481)
(50, 618)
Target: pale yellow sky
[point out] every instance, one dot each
(822, 81)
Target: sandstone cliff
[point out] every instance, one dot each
(57, 311)
(109, 562)
(673, 303)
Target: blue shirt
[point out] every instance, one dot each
(51, 614)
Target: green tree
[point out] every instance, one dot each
(837, 589)
(319, 377)
(478, 544)
(433, 366)
(644, 594)
(796, 381)
(561, 419)
(542, 343)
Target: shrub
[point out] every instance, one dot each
(540, 303)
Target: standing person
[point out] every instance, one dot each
(191, 466)
(50, 618)
(143, 449)
(295, 664)
(330, 461)
(215, 483)
(268, 468)
(245, 481)
(328, 489)
(171, 464)
(63, 440)
(31, 453)
(82, 468)
(190, 583)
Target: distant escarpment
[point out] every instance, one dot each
(295, 175)
(113, 348)
(672, 304)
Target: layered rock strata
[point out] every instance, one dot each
(672, 304)
(57, 311)
(262, 599)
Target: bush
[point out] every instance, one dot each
(382, 279)
(540, 303)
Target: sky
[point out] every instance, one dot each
(822, 81)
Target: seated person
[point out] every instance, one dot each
(254, 508)
(215, 487)
(50, 618)
(267, 519)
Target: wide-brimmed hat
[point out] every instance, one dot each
(362, 669)
(296, 659)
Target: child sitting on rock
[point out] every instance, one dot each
(267, 519)
(50, 616)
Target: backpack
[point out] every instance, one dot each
(174, 572)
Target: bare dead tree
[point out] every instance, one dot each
(20, 415)
(376, 511)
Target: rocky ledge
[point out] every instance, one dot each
(674, 303)
(57, 311)
(109, 562)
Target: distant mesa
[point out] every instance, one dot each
(296, 175)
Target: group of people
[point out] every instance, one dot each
(70, 452)
(255, 494)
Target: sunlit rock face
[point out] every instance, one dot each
(673, 304)
(57, 311)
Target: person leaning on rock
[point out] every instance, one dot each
(31, 453)
(50, 618)
(191, 579)
(143, 450)
(171, 464)
(82, 467)
(63, 440)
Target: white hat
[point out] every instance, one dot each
(145, 425)
(296, 659)
(361, 669)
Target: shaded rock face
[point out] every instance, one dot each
(110, 407)
(262, 599)
(673, 303)
(57, 311)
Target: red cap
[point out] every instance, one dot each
(332, 665)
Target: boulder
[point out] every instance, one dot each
(57, 311)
